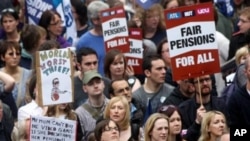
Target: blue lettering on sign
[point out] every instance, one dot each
(38, 4)
(175, 15)
(105, 14)
(68, 16)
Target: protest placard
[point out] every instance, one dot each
(192, 42)
(115, 29)
(52, 129)
(54, 72)
(134, 57)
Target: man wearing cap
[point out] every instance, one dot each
(93, 108)
(86, 61)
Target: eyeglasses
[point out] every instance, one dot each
(10, 10)
(165, 108)
(57, 23)
(111, 128)
(202, 80)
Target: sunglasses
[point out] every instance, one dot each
(165, 108)
(10, 10)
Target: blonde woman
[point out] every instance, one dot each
(157, 128)
(118, 110)
(241, 55)
(213, 126)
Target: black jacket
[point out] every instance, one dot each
(238, 107)
(175, 98)
(136, 119)
(188, 114)
(236, 42)
(7, 123)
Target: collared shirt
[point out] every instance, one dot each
(30, 109)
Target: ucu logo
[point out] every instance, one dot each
(203, 11)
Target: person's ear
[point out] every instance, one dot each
(147, 73)
(78, 65)
(84, 88)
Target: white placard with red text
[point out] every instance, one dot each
(192, 41)
(134, 57)
(115, 29)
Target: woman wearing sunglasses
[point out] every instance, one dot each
(10, 53)
(9, 22)
(175, 124)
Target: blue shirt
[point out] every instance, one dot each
(96, 43)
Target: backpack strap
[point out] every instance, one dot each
(95, 114)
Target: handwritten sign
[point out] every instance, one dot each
(54, 68)
(134, 57)
(191, 35)
(52, 129)
(115, 29)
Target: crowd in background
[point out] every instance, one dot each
(112, 102)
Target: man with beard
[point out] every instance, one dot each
(183, 92)
(193, 110)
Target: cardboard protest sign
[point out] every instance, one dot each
(52, 129)
(134, 57)
(115, 29)
(55, 72)
(192, 42)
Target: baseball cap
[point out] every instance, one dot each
(89, 75)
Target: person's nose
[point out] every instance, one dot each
(239, 23)
(164, 131)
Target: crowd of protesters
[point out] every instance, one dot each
(111, 102)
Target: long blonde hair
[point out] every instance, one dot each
(125, 123)
(150, 123)
(205, 135)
